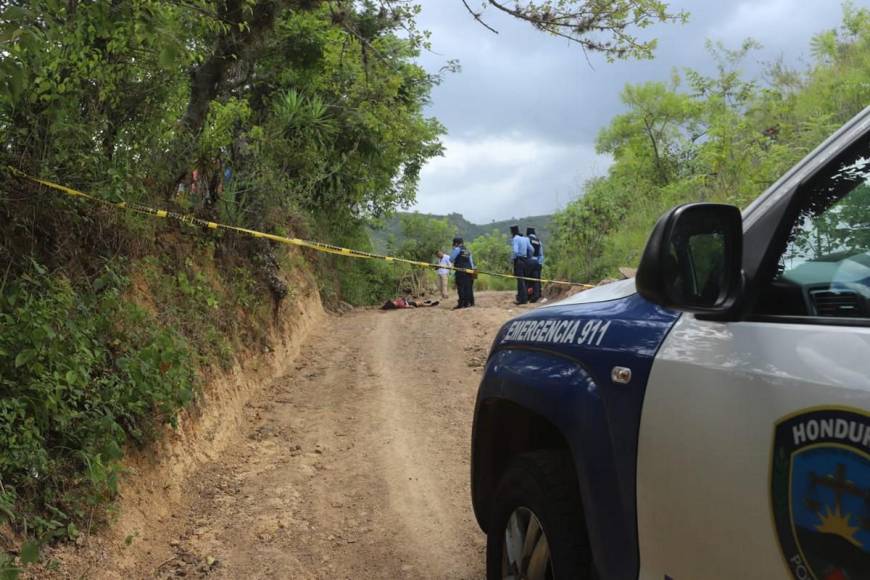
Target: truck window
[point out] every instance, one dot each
(823, 268)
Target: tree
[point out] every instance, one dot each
(303, 117)
(656, 135)
(422, 236)
(721, 138)
(597, 26)
(580, 231)
(492, 252)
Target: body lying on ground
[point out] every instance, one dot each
(400, 302)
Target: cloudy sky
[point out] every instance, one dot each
(522, 115)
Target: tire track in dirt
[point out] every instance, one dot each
(355, 465)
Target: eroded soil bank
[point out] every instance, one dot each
(353, 463)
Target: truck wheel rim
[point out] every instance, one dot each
(525, 549)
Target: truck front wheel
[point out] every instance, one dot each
(537, 530)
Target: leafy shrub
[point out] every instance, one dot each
(191, 304)
(357, 281)
(492, 253)
(723, 139)
(83, 373)
(364, 282)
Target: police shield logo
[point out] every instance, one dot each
(820, 493)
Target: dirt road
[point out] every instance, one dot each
(355, 465)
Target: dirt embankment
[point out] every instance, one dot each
(353, 463)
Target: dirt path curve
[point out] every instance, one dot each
(353, 466)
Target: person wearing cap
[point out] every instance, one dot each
(536, 263)
(461, 258)
(521, 253)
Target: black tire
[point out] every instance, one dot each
(544, 484)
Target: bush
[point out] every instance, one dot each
(719, 139)
(492, 253)
(190, 304)
(366, 282)
(83, 373)
(357, 281)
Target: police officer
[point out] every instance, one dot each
(536, 263)
(521, 252)
(461, 258)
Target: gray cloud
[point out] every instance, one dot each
(508, 175)
(523, 114)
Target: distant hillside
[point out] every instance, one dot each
(465, 228)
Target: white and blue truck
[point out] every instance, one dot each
(708, 419)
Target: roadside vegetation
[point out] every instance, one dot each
(286, 117)
(392, 226)
(721, 138)
(492, 253)
(421, 235)
(298, 117)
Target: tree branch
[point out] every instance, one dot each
(577, 20)
(477, 17)
(207, 78)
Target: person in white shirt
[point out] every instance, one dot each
(443, 273)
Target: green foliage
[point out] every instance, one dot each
(840, 230)
(247, 290)
(316, 120)
(307, 120)
(390, 228)
(84, 373)
(607, 27)
(77, 76)
(193, 306)
(422, 236)
(337, 131)
(654, 135)
(356, 281)
(492, 252)
(721, 138)
(365, 282)
(581, 230)
(29, 553)
(8, 569)
(296, 117)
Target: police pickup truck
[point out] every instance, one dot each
(709, 419)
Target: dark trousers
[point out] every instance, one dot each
(534, 271)
(465, 289)
(520, 269)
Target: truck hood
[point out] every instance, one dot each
(612, 291)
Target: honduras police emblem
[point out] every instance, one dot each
(820, 493)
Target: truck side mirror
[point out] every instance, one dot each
(693, 259)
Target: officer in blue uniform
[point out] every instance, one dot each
(461, 258)
(536, 263)
(521, 252)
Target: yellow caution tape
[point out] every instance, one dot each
(318, 246)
